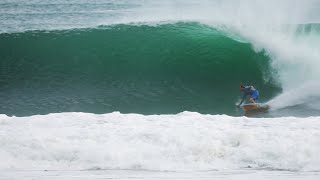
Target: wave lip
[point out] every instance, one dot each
(186, 141)
(19, 16)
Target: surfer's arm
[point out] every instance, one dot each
(244, 97)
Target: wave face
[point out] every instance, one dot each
(166, 56)
(163, 69)
(183, 142)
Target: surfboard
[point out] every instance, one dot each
(255, 107)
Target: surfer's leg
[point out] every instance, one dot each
(254, 96)
(257, 94)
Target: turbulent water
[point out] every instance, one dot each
(183, 142)
(87, 61)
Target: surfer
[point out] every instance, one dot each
(249, 90)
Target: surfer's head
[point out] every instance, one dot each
(241, 87)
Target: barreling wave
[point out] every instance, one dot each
(157, 58)
(128, 68)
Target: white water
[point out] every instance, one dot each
(182, 142)
(157, 175)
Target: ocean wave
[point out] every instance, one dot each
(201, 45)
(163, 69)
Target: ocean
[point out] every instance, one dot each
(148, 89)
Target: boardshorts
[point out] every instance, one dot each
(255, 95)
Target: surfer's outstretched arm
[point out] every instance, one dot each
(244, 97)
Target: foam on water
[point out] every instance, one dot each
(185, 141)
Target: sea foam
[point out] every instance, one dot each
(186, 141)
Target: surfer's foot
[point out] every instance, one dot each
(252, 100)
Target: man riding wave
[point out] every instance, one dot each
(249, 90)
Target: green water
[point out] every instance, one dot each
(131, 69)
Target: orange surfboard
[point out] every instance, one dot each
(255, 107)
